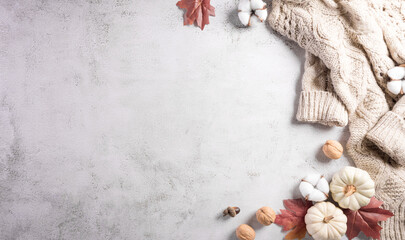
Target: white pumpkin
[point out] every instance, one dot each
(314, 187)
(324, 221)
(352, 188)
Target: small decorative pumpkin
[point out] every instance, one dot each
(314, 187)
(324, 221)
(352, 188)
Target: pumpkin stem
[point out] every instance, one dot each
(349, 190)
(327, 219)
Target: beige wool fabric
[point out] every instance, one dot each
(351, 44)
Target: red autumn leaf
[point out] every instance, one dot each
(197, 11)
(366, 220)
(293, 218)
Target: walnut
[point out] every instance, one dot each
(332, 149)
(245, 232)
(265, 216)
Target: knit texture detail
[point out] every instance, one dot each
(350, 45)
(394, 227)
(389, 135)
(321, 107)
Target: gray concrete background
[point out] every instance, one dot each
(117, 122)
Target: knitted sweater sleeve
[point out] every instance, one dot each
(380, 32)
(356, 52)
(317, 101)
(384, 45)
(389, 133)
(351, 51)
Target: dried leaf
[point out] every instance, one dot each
(294, 218)
(197, 11)
(366, 219)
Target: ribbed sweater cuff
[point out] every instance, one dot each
(389, 135)
(321, 107)
(394, 227)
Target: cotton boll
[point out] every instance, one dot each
(314, 187)
(312, 178)
(317, 196)
(322, 185)
(244, 12)
(247, 8)
(261, 14)
(394, 87)
(306, 188)
(244, 6)
(403, 86)
(397, 73)
(257, 4)
(244, 18)
(254, 21)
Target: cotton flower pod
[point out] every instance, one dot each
(395, 86)
(396, 73)
(244, 6)
(244, 12)
(314, 187)
(403, 86)
(248, 8)
(261, 14)
(244, 18)
(257, 4)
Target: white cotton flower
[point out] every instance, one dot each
(261, 14)
(244, 12)
(257, 4)
(247, 8)
(397, 75)
(394, 86)
(314, 187)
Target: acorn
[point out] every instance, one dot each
(231, 211)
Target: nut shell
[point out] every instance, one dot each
(265, 216)
(245, 232)
(333, 149)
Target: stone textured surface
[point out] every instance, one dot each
(116, 122)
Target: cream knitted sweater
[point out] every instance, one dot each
(350, 46)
